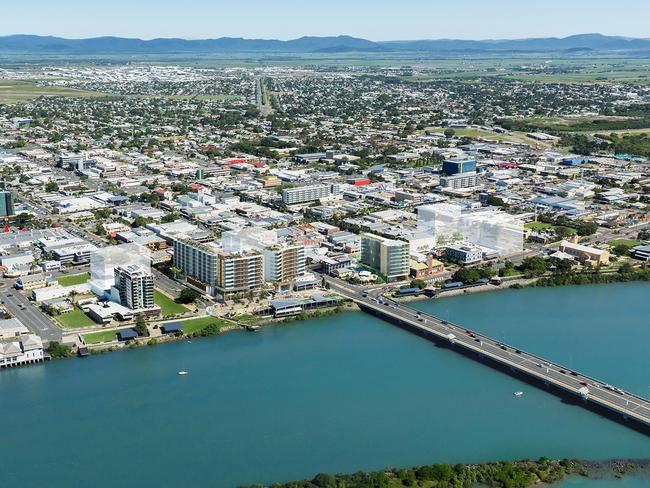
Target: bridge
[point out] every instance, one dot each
(610, 401)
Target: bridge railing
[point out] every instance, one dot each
(541, 360)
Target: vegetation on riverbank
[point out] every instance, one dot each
(624, 274)
(314, 314)
(56, 350)
(518, 474)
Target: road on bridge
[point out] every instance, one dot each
(579, 384)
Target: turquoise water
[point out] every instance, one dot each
(627, 482)
(331, 395)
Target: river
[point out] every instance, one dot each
(338, 394)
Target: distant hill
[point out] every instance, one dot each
(104, 45)
(338, 44)
(594, 42)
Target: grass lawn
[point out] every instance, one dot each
(245, 318)
(70, 280)
(168, 306)
(538, 226)
(75, 319)
(20, 91)
(103, 336)
(624, 242)
(191, 326)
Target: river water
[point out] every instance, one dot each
(337, 394)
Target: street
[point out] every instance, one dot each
(31, 317)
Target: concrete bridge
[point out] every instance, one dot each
(608, 400)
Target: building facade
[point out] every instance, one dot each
(389, 257)
(135, 287)
(198, 263)
(304, 194)
(28, 349)
(464, 254)
(458, 166)
(585, 254)
(239, 273)
(460, 181)
(6, 204)
(283, 265)
(220, 274)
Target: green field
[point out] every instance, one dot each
(103, 336)
(76, 319)
(191, 326)
(168, 306)
(537, 226)
(227, 98)
(20, 91)
(71, 280)
(624, 242)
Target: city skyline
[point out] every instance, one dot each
(377, 21)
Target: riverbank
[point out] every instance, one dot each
(550, 280)
(520, 474)
(557, 279)
(228, 325)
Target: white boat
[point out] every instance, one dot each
(519, 393)
(182, 373)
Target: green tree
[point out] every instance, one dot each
(188, 295)
(467, 275)
(622, 249)
(58, 350)
(141, 326)
(417, 283)
(51, 186)
(534, 266)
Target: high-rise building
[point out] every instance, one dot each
(389, 257)
(460, 181)
(6, 203)
(284, 261)
(239, 273)
(221, 274)
(103, 262)
(197, 262)
(488, 228)
(135, 287)
(458, 166)
(303, 194)
(283, 264)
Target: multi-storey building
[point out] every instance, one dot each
(303, 194)
(388, 256)
(135, 286)
(283, 264)
(464, 253)
(198, 263)
(221, 274)
(458, 166)
(239, 273)
(6, 204)
(460, 180)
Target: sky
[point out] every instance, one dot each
(377, 20)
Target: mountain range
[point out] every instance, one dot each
(121, 45)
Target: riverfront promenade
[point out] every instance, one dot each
(592, 393)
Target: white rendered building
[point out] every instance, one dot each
(104, 261)
(486, 227)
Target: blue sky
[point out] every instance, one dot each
(288, 19)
